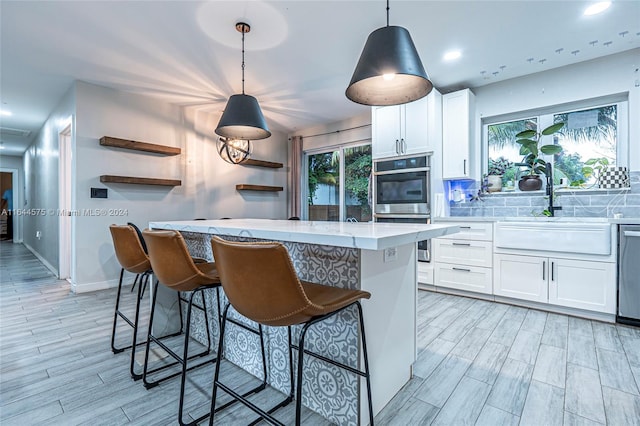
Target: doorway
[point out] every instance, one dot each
(7, 217)
(64, 204)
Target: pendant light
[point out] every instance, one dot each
(389, 71)
(242, 118)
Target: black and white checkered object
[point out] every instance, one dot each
(615, 177)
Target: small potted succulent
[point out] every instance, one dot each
(497, 168)
(532, 160)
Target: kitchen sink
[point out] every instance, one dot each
(554, 235)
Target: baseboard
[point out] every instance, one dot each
(41, 259)
(96, 286)
(582, 313)
(575, 312)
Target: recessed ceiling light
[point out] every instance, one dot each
(5, 113)
(596, 8)
(451, 55)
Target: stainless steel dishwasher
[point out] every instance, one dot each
(629, 275)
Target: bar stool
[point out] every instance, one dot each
(144, 247)
(270, 293)
(132, 257)
(174, 267)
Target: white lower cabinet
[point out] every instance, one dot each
(463, 261)
(564, 282)
(463, 277)
(521, 277)
(584, 285)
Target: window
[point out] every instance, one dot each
(338, 184)
(502, 146)
(592, 139)
(588, 135)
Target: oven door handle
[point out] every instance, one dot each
(399, 172)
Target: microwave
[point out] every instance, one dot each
(402, 186)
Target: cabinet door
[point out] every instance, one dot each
(582, 284)
(462, 277)
(414, 138)
(455, 135)
(521, 277)
(385, 123)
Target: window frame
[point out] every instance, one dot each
(544, 118)
(305, 175)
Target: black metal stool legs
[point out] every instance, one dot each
(302, 351)
(139, 279)
(242, 397)
(366, 362)
(185, 357)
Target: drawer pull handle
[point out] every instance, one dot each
(465, 227)
(462, 269)
(462, 244)
(544, 268)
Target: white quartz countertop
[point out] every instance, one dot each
(368, 236)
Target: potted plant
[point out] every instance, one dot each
(533, 163)
(496, 170)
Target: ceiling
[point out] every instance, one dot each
(299, 54)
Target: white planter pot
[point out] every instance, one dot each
(495, 183)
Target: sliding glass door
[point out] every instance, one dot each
(338, 184)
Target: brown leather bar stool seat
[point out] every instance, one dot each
(174, 268)
(270, 293)
(133, 259)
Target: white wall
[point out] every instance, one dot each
(9, 163)
(605, 76)
(208, 183)
(41, 183)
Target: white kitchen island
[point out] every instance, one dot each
(377, 257)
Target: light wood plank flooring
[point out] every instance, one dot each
(479, 363)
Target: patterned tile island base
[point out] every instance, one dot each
(348, 255)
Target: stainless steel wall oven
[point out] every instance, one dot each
(401, 189)
(402, 186)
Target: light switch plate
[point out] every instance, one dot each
(98, 192)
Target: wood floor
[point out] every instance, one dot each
(479, 363)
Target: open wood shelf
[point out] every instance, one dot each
(139, 180)
(248, 187)
(139, 146)
(261, 163)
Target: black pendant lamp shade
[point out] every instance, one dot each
(389, 71)
(242, 119)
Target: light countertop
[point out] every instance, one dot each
(621, 221)
(368, 236)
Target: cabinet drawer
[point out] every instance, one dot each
(462, 277)
(464, 252)
(481, 231)
(425, 273)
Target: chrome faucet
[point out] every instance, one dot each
(549, 174)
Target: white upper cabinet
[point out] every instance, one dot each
(457, 134)
(406, 129)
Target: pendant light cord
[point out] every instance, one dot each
(243, 32)
(387, 13)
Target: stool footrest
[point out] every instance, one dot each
(331, 361)
(266, 416)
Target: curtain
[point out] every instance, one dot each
(295, 189)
